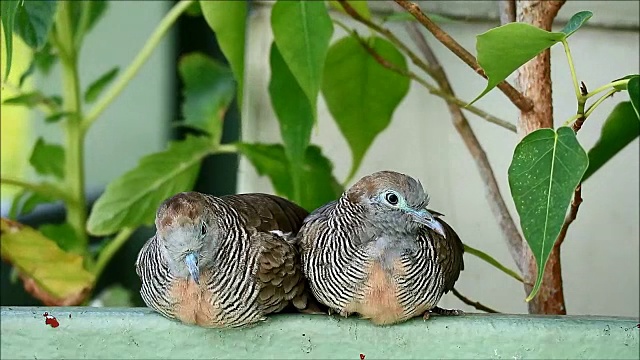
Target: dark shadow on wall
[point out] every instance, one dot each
(218, 174)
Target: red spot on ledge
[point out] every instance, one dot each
(361, 356)
(50, 320)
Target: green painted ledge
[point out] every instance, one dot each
(138, 333)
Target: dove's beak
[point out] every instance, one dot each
(192, 264)
(424, 217)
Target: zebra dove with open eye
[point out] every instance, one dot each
(377, 251)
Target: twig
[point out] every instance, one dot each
(475, 304)
(517, 98)
(507, 11)
(460, 122)
(432, 89)
(573, 213)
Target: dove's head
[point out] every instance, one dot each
(394, 201)
(186, 227)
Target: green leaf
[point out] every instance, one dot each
(295, 115)
(194, 9)
(633, 86)
(620, 129)
(63, 234)
(320, 185)
(577, 20)
(26, 201)
(208, 91)
(504, 49)
(34, 20)
(8, 10)
(132, 199)
(53, 118)
(33, 200)
(96, 87)
(30, 99)
(48, 159)
(55, 277)
(546, 168)
(360, 6)
(360, 93)
(228, 19)
(92, 12)
(302, 31)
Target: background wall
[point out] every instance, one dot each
(600, 256)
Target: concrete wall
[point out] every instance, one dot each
(600, 255)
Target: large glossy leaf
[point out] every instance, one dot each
(546, 168)
(34, 20)
(620, 128)
(360, 6)
(208, 91)
(504, 49)
(633, 87)
(48, 159)
(577, 20)
(302, 31)
(132, 199)
(295, 115)
(320, 184)
(360, 93)
(50, 274)
(96, 87)
(8, 9)
(228, 20)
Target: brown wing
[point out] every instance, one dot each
(272, 223)
(266, 212)
(450, 251)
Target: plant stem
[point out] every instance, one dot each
(572, 69)
(475, 304)
(140, 59)
(605, 87)
(110, 249)
(74, 156)
(599, 101)
(490, 260)
(225, 149)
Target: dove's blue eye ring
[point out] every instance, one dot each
(392, 198)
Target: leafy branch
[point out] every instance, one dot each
(518, 99)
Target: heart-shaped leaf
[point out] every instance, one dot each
(132, 199)
(320, 185)
(34, 20)
(48, 159)
(50, 274)
(546, 168)
(208, 91)
(577, 20)
(624, 86)
(504, 49)
(633, 87)
(360, 93)
(96, 87)
(228, 20)
(302, 31)
(620, 129)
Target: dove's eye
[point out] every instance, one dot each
(392, 198)
(203, 229)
